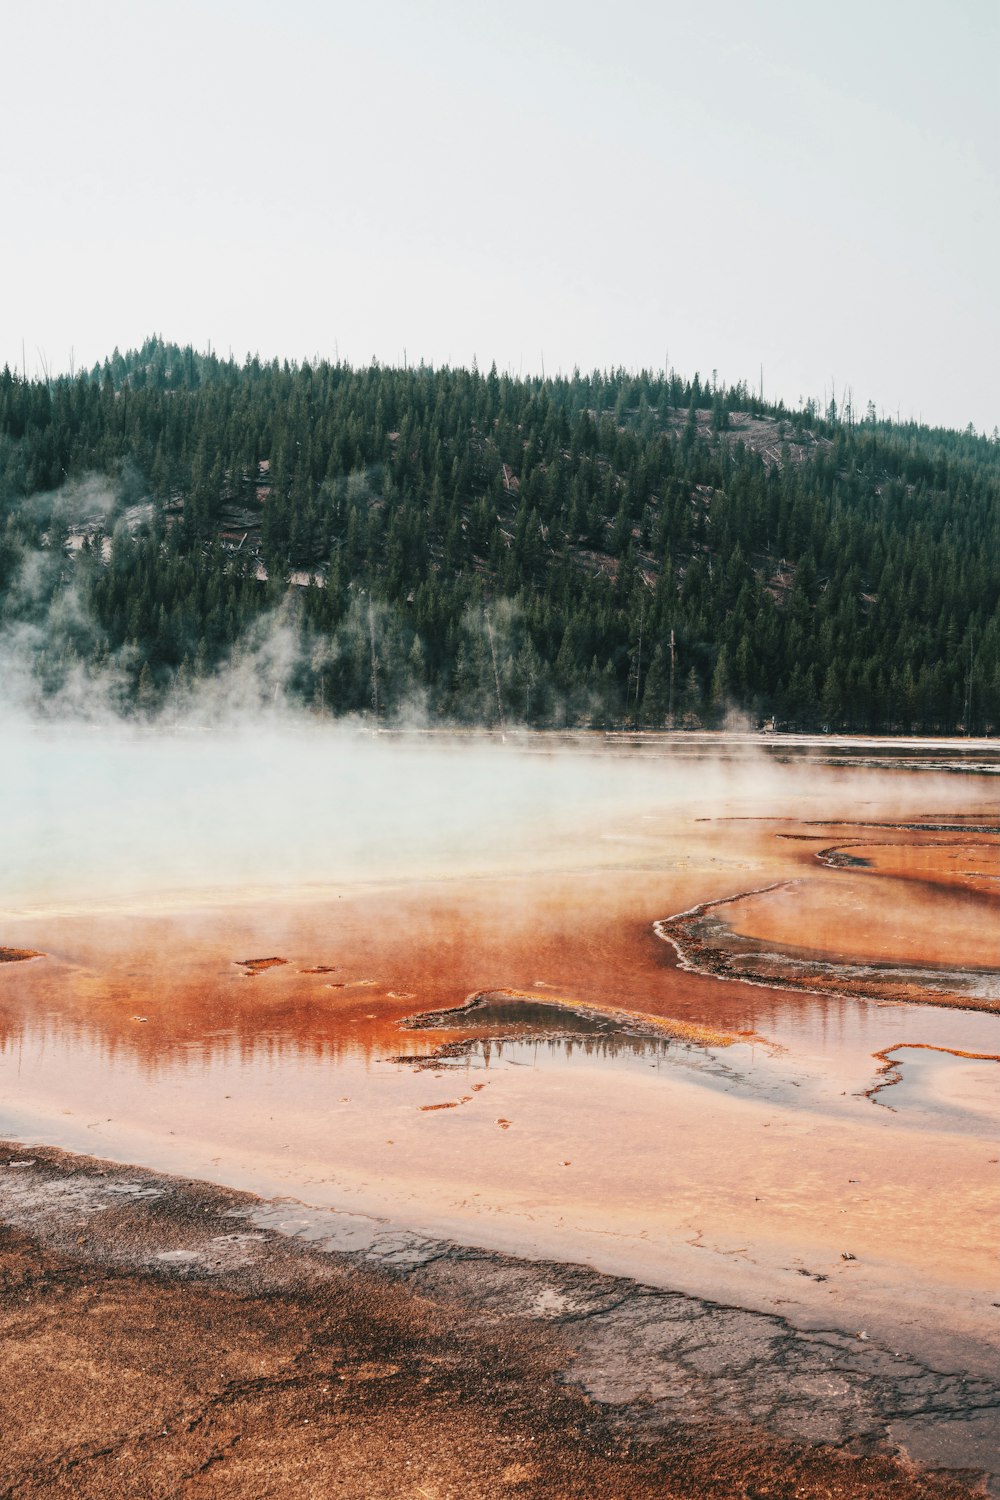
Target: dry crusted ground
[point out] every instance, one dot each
(160, 1339)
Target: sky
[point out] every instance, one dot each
(808, 190)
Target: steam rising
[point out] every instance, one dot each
(59, 662)
(232, 782)
(280, 800)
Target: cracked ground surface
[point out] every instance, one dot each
(162, 1337)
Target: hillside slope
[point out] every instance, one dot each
(603, 549)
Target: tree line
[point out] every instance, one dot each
(613, 548)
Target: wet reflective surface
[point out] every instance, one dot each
(942, 1086)
(705, 1050)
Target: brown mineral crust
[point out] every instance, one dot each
(258, 965)
(709, 945)
(17, 955)
(632, 1022)
(297, 1374)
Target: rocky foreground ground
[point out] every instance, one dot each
(162, 1337)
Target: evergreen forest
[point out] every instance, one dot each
(450, 546)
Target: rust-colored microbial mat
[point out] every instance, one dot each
(733, 1035)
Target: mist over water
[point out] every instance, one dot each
(115, 813)
(277, 801)
(227, 785)
(112, 814)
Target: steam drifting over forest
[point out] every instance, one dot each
(178, 532)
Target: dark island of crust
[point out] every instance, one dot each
(161, 1339)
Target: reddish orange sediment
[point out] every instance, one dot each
(674, 1181)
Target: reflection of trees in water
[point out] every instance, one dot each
(312, 1034)
(565, 1032)
(610, 1045)
(511, 1022)
(240, 1044)
(495, 1025)
(307, 1033)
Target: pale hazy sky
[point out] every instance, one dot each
(811, 187)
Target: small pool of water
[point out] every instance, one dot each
(944, 1089)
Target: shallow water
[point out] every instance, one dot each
(603, 1102)
(943, 1087)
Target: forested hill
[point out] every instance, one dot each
(604, 549)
